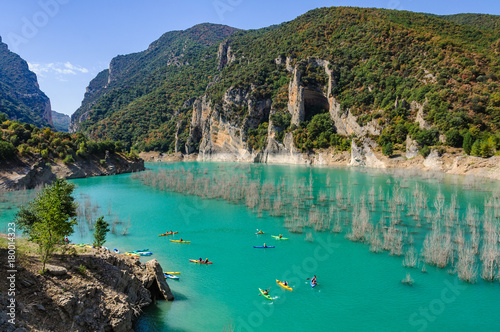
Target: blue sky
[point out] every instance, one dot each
(67, 42)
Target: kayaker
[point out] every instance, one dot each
(265, 246)
(266, 292)
(285, 283)
(313, 280)
(201, 260)
(281, 236)
(181, 239)
(206, 261)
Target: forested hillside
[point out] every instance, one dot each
(329, 77)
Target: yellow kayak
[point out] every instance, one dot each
(132, 254)
(179, 241)
(172, 272)
(284, 286)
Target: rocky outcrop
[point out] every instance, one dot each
(363, 155)
(414, 106)
(99, 291)
(225, 55)
(221, 135)
(411, 148)
(31, 172)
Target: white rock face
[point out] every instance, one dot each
(411, 148)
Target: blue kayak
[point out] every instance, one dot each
(143, 253)
(170, 276)
(262, 247)
(142, 250)
(116, 251)
(313, 284)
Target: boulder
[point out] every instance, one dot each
(56, 270)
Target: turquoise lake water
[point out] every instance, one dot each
(357, 290)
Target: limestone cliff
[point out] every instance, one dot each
(20, 96)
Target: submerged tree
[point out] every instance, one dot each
(49, 217)
(100, 231)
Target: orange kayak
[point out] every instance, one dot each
(168, 233)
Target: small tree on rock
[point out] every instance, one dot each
(100, 231)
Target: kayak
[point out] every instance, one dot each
(278, 238)
(142, 250)
(179, 241)
(143, 253)
(132, 254)
(116, 251)
(170, 276)
(262, 247)
(198, 261)
(168, 233)
(171, 272)
(284, 286)
(266, 296)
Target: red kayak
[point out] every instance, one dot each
(200, 262)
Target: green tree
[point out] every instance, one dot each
(453, 138)
(49, 218)
(476, 149)
(388, 149)
(100, 231)
(468, 142)
(7, 150)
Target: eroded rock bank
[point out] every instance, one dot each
(88, 291)
(31, 172)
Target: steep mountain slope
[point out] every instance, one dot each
(133, 76)
(61, 121)
(20, 95)
(334, 77)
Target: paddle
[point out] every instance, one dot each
(265, 290)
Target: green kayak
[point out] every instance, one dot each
(266, 296)
(279, 238)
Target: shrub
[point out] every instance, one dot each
(82, 270)
(68, 160)
(388, 149)
(7, 150)
(45, 154)
(425, 151)
(453, 138)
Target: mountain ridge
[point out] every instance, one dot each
(383, 75)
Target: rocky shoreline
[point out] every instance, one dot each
(451, 162)
(83, 290)
(31, 172)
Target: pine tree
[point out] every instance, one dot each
(100, 231)
(468, 142)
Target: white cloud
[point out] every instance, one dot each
(58, 68)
